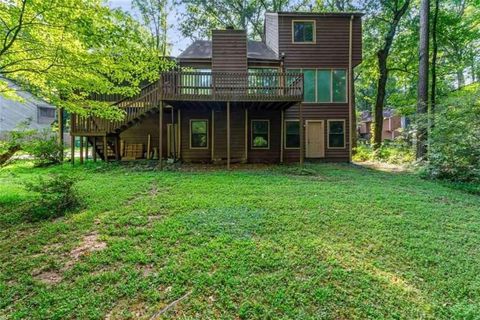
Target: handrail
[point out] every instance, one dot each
(132, 106)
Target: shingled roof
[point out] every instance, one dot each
(202, 49)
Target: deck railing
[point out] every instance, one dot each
(233, 86)
(201, 86)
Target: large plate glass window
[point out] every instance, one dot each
(339, 85)
(198, 133)
(260, 134)
(303, 31)
(309, 85)
(324, 85)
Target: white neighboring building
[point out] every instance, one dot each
(40, 114)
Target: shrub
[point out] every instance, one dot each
(396, 152)
(454, 152)
(13, 141)
(55, 196)
(44, 148)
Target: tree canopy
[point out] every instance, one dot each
(66, 50)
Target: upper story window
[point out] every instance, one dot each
(303, 31)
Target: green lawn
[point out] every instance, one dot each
(334, 241)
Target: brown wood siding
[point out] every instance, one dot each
(229, 50)
(272, 154)
(330, 50)
(139, 132)
(187, 153)
(271, 31)
(322, 112)
(331, 47)
(149, 125)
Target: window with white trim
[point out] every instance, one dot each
(199, 134)
(303, 31)
(336, 134)
(292, 134)
(260, 134)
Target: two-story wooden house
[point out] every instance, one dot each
(283, 99)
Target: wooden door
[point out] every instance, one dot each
(315, 138)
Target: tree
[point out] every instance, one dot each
(422, 102)
(397, 12)
(433, 91)
(66, 51)
(154, 16)
(201, 16)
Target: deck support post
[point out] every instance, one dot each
(282, 115)
(94, 149)
(60, 131)
(246, 135)
(105, 149)
(302, 135)
(228, 135)
(117, 148)
(86, 148)
(72, 148)
(179, 134)
(212, 156)
(81, 149)
(160, 138)
(174, 146)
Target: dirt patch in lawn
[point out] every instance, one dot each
(89, 244)
(49, 277)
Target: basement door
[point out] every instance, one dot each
(315, 138)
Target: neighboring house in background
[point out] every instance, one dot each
(393, 125)
(234, 100)
(37, 112)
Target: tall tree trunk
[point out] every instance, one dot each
(460, 79)
(433, 92)
(380, 99)
(422, 100)
(382, 56)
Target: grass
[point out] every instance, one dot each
(329, 241)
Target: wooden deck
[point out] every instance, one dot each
(188, 86)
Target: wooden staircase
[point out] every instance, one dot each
(100, 131)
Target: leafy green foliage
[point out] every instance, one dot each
(201, 17)
(395, 152)
(54, 197)
(455, 137)
(66, 51)
(14, 141)
(44, 147)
